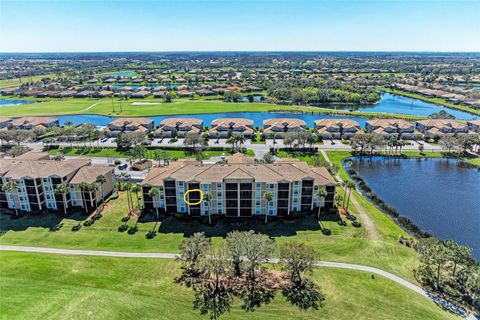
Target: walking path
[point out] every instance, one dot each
(327, 264)
(90, 107)
(367, 221)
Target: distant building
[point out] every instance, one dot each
(133, 124)
(37, 181)
(181, 126)
(336, 128)
(4, 122)
(237, 188)
(225, 127)
(280, 126)
(28, 123)
(388, 127)
(442, 127)
(473, 125)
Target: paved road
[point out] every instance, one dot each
(156, 255)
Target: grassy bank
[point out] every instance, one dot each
(43, 286)
(7, 83)
(439, 101)
(153, 107)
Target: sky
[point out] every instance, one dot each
(239, 25)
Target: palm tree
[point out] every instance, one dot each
(101, 180)
(344, 186)
(350, 185)
(321, 193)
(268, 196)
(63, 190)
(338, 199)
(128, 188)
(207, 196)
(83, 188)
(153, 193)
(92, 188)
(11, 186)
(136, 189)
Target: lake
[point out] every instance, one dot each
(8, 103)
(121, 74)
(391, 103)
(207, 118)
(441, 196)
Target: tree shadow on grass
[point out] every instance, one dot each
(277, 228)
(51, 221)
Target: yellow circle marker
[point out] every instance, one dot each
(193, 203)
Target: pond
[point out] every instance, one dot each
(8, 103)
(207, 118)
(391, 103)
(121, 74)
(441, 196)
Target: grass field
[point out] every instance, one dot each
(42, 286)
(345, 244)
(152, 107)
(6, 83)
(112, 152)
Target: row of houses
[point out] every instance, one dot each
(440, 93)
(237, 188)
(36, 179)
(277, 127)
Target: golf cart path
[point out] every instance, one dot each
(367, 221)
(157, 255)
(90, 107)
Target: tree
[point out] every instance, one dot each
(349, 185)
(473, 284)
(458, 254)
(236, 247)
(321, 194)
(154, 193)
(101, 180)
(213, 296)
(433, 251)
(16, 151)
(448, 143)
(136, 190)
(63, 190)
(193, 140)
(268, 196)
(84, 187)
(268, 157)
(297, 258)
(11, 186)
(194, 247)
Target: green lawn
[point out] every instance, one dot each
(112, 152)
(345, 244)
(6, 83)
(43, 286)
(152, 107)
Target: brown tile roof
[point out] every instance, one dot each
(17, 169)
(239, 158)
(134, 121)
(34, 155)
(284, 122)
(181, 122)
(90, 173)
(35, 121)
(442, 123)
(346, 123)
(389, 123)
(208, 173)
(235, 122)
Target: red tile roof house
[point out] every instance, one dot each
(181, 125)
(28, 123)
(225, 127)
(442, 127)
(280, 126)
(184, 93)
(133, 124)
(387, 127)
(334, 128)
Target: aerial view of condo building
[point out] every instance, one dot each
(218, 159)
